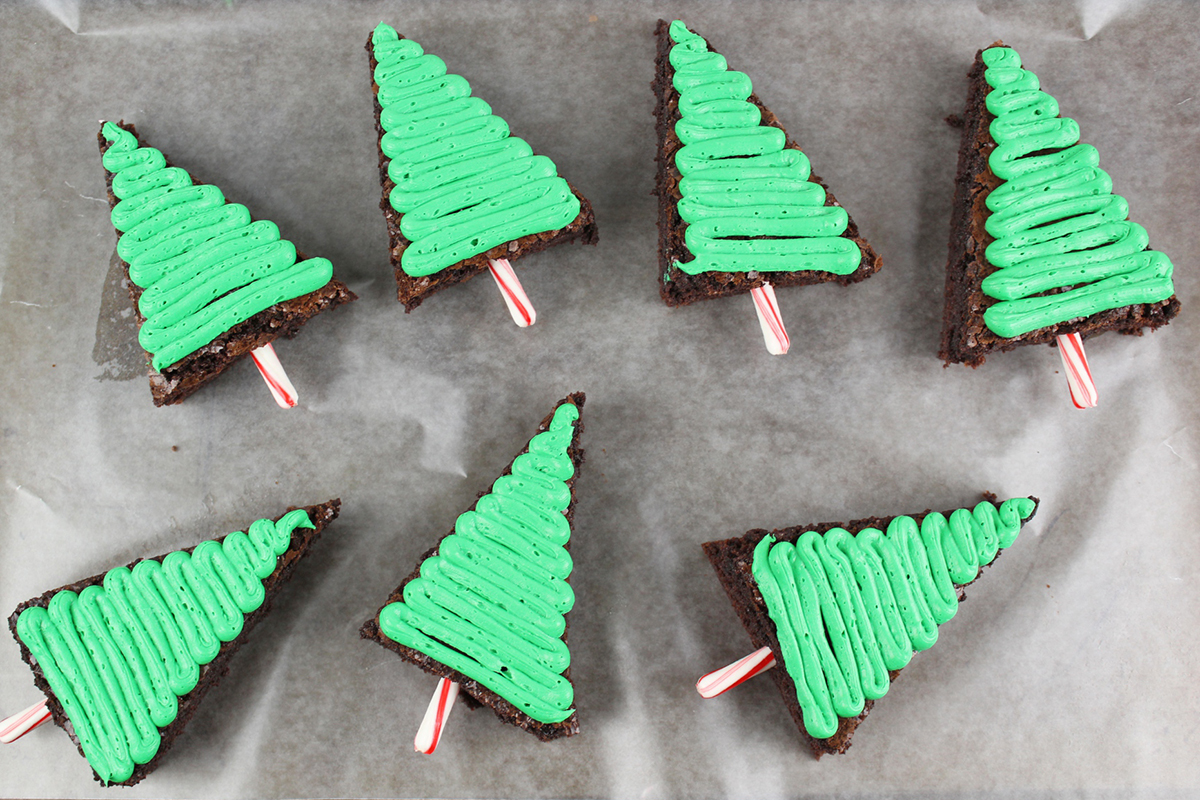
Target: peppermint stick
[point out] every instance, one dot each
(272, 372)
(722, 680)
(16, 726)
(510, 289)
(769, 318)
(1079, 375)
(434, 722)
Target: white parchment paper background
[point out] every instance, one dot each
(1071, 670)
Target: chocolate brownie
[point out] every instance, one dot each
(212, 672)
(966, 338)
(412, 291)
(732, 560)
(174, 383)
(472, 691)
(677, 287)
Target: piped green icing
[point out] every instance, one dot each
(119, 653)
(491, 603)
(746, 197)
(463, 184)
(1057, 225)
(848, 607)
(203, 265)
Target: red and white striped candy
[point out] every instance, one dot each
(272, 372)
(510, 289)
(16, 726)
(1079, 375)
(430, 732)
(724, 679)
(769, 318)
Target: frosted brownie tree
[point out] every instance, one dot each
(1041, 250)
(844, 607)
(739, 207)
(124, 658)
(461, 194)
(486, 608)
(210, 285)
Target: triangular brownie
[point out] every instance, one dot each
(1043, 249)
(458, 189)
(844, 606)
(487, 606)
(125, 657)
(757, 212)
(208, 283)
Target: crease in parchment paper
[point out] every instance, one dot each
(433, 403)
(116, 349)
(242, 750)
(1096, 14)
(65, 11)
(20, 490)
(1080, 19)
(635, 763)
(84, 196)
(1181, 446)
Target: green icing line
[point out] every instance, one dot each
(463, 184)
(119, 653)
(1056, 223)
(203, 265)
(746, 197)
(491, 603)
(849, 608)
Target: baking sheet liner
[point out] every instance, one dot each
(1070, 669)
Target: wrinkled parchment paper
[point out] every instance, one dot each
(1070, 670)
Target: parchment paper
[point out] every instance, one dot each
(1071, 669)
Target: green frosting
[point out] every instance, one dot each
(203, 264)
(463, 184)
(491, 603)
(848, 608)
(119, 653)
(746, 196)
(1057, 225)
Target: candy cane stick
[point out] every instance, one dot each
(16, 726)
(722, 680)
(510, 289)
(272, 372)
(430, 732)
(1079, 375)
(767, 308)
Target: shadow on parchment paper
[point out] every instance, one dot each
(939, 163)
(117, 350)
